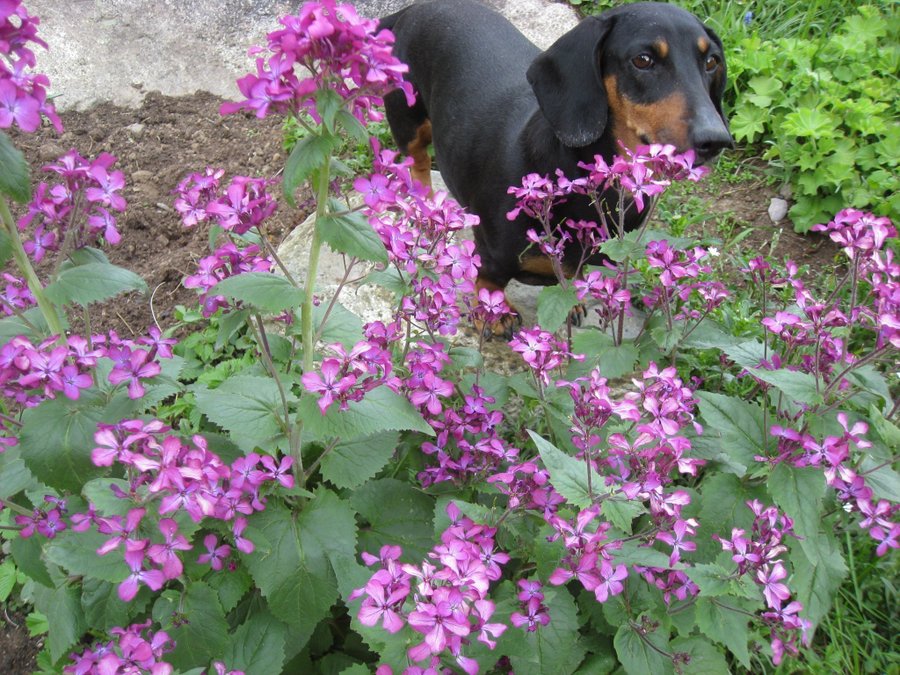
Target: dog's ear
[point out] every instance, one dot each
(717, 91)
(566, 80)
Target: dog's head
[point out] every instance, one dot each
(641, 73)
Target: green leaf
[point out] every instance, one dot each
(8, 575)
(712, 579)
(352, 126)
(798, 387)
(297, 580)
(93, 282)
(819, 569)
(747, 354)
(352, 234)
(76, 552)
(328, 102)
(14, 180)
(621, 512)
(247, 406)
(380, 410)
(740, 424)
(37, 624)
(553, 306)
(14, 475)
(310, 154)
(726, 626)
(554, 649)
(637, 656)
(352, 463)
(257, 646)
(396, 513)
(567, 474)
(330, 523)
(613, 360)
(6, 248)
(65, 619)
(262, 290)
(27, 554)
(704, 658)
(103, 609)
(57, 439)
(231, 587)
(203, 634)
(618, 250)
(723, 506)
(341, 326)
(798, 492)
(631, 553)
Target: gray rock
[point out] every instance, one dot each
(778, 209)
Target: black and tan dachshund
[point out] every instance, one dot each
(497, 108)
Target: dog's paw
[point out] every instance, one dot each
(577, 315)
(503, 329)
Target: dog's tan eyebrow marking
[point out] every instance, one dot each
(703, 44)
(662, 48)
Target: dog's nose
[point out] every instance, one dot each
(709, 137)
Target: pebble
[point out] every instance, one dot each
(142, 176)
(778, 209)
(50, 152)
(136, 129)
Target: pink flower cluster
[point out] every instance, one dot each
(676, 269)
(78, 209)
(327, 46)
(226, 261)
(839, 456)
(450, 601)
(542, 351)
(612, 298)
(533, 613)
(418, 231)
(134, 650)
(23, 94)
(349, 375)
(242, 205)
(16, 296)
(758, 554)
(30, 374)
(173, 476)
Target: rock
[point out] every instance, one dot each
(136, 130)
(778, 209)
(142, 176)
(50, 152)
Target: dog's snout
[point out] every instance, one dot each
(709, 137)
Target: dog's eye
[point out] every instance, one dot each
(642, 61)
(712, 63)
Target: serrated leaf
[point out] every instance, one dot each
(747, 354)
(637, 656)
(553, 306)
(328, 102)
(797, 386)
(740, 424)
(76, 552)
(257, 646)
(554, 649)
(14, 475)
(352, 126)
(27, 554)
(352, 463)
(726, 626)
(342, 325)
(704, 658)
(631, 553)
(798, 492)
(65, 619)
(621, 513)
(297, 580)
(613, 360)
(618, 250)
(245, 405)
(396, 513)
(567, 474)
(352, 234)
(380, 410)
(15, 182)
(93, 282)
(103, 609)
(309, 154)
(8, 575)
(723, 506)
(817, 574)
(204, 633)
(712, 579)
(262, 290)
(57, 439)
(231, 587)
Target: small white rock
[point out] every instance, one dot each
(136, 130)
(778, 209)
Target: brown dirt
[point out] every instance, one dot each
(18, 650)
(178, 136)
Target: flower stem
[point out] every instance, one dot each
(306, 323)
(31, 277)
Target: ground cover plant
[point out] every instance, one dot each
(290, 488)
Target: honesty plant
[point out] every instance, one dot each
(662, 501)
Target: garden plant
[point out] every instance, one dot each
(289, 489)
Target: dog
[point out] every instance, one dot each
(496, 108)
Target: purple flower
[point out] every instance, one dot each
(166, 554)
(215, 555)
(135, 552)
